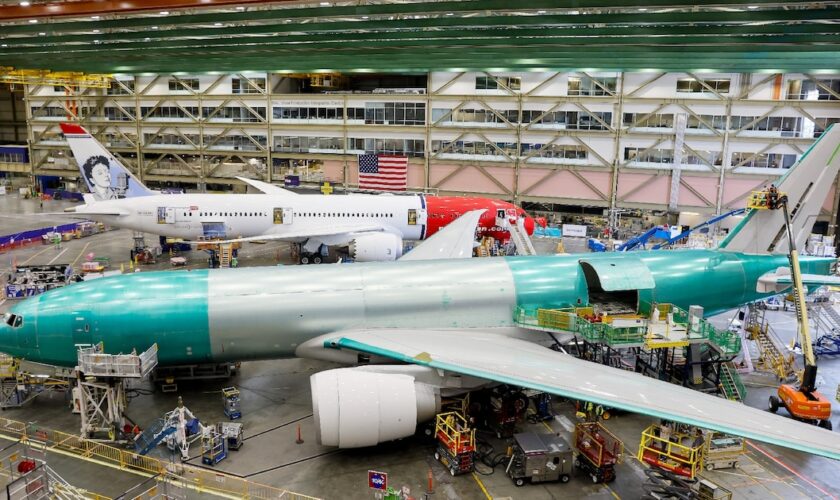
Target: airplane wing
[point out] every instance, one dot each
(336, 230)
(267, 188)
(521, 363)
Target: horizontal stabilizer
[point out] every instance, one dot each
(455, 241)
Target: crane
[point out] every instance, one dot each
(803, 403)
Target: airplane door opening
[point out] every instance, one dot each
(412, 217)
(82, 328)
(283, 215)
(614, 284)
(165, 215)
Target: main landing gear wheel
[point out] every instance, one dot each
(316, 259)
(775, 403)
(304, 259)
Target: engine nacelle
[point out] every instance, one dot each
(355, 408)
(375, 247)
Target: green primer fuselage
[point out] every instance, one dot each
(261, 313)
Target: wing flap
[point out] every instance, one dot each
(518, 362)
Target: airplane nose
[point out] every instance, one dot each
(529, 225)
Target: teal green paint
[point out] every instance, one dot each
(737, 229)
(132, 311)
(568, 393)
(548, 281)
(716, 280)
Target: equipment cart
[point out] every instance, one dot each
(456, 443)
(230, 396)
(539, 458)
(213, 447)
(232, 432)
(597, 451)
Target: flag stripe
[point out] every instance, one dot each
(383, 172)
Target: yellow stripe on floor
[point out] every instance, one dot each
(481, 485)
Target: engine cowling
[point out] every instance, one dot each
(355, 408)
(376, 247)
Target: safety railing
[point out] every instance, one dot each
(204, 481)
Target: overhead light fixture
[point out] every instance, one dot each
(752, 7)
(95, 18)
(642, 9)
(96, 31)
(154, 27)
(450, 14)
(42, 33)
(33, 21)
(240, 8)
(325, 4)
(540, 12)
(4, 45)
(164, 12)
(24, 4)
(365, 17)
(217, 24)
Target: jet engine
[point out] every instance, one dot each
(374, 247)
(355, 408)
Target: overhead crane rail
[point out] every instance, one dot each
(57, 78)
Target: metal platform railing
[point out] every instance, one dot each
(93, 362)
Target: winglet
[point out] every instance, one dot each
(267, 188)
(806, 184)
(455, 241)
(106, 177)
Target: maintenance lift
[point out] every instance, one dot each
(99, 395)
(214, 447)
(597, 450)
(722, 451)
(673, 447)
(230, 397)
(456, 443)
(18, 387)
(803, 403)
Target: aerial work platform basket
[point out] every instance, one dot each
(598, 450)
(456, 442)
(674, 450)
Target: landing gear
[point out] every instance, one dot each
(825, 424)
(311, 258)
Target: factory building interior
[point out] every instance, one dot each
(419, 249)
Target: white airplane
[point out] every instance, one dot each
(372, 226)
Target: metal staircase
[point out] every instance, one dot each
(731, 383)
(225, 255)
(520, 238)
(771, 355)
(152, 436)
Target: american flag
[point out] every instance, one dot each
(383, 172)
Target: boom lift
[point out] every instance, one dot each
(803, 403)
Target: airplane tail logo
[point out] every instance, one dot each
(106, 177)
(807, 185)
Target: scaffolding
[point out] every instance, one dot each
(18, 387)
(100, 388)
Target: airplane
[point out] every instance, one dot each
(372, 226)
(424, 326)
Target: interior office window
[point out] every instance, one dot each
(658, 120)
(763, 160)
(395, 113)
(820, 124)
(702, 158)
(183, 84)
(650, 156)
(558, 151)
(692, 85)
(247, 86)
(586, 86)
(490, 83)
(115, 114)
(809, 90)
(124, 87)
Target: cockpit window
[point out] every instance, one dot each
(13, 320)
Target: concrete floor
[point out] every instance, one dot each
(276, 399)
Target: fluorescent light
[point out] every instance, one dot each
(540, 12)
(96, 31)
(217, 24)
(642, 9)
(240, 8)
(365, 17)
(164, 12)
(33, 21)
(752, 7)
(154, 27)
(325, 4)
(24, 4)
(95, 18)
(4, 45)
(42, 33)
(450, 14)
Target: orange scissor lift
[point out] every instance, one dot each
(456, 443)
(598, 450)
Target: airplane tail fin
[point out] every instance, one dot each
(807, 185)
(106, 177)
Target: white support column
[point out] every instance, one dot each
(680, 120)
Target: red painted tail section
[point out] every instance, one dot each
(442, 210)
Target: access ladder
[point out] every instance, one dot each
(730, 382)
(520, 238)
(152, 436)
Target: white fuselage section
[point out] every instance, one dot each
(202, 216)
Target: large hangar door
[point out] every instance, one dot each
(614, 282)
